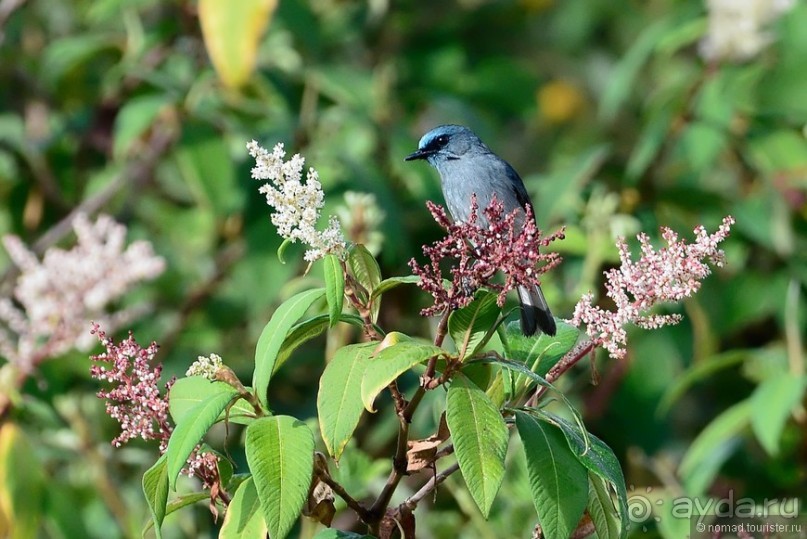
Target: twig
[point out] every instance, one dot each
(342, 493)
(442, 329)
(412, 501)
(567, 362)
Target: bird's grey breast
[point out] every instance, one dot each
(485, 175)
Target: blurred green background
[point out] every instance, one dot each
(607, 109)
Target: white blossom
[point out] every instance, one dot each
(206, 366)
(738, 29)
(56, 298)
(297, 204)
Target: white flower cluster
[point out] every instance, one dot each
(57, 297)
(297, 205)
(206, 366)
(737, 28)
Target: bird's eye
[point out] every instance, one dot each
(442, 140)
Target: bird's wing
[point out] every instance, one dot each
(517, 186)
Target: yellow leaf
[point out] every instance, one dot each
(232, 31)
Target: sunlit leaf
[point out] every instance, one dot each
(273, 336)
(339, 401)
(334, 287)
(280, 453)
(232, 32)
(480, 439)
(389, 364)
(244, 519)
(193, 426)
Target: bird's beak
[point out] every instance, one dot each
(420, 154)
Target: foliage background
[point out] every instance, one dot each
(614, 120)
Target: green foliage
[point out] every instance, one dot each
(390, 363)
(274, 334)
(558, 480)
(191, 427)
(334, 287)
(615, 121)
(279, 452)
(243, 518)
(155, 487)
(480, 440)
(339, 398)
(473, 325)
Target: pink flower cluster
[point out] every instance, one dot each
(670, 274)
(55, 298)
(135, 400)
(509, 243)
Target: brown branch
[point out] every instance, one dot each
(442, 329)
(340, 491)
(412, 501)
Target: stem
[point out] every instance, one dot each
(351, 502)
(567, 362)
(442, 329)
(352, 286)
(412, 501)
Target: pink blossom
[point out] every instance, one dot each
(136, 402)
(509, 243)
(670, 274)
(55, 298)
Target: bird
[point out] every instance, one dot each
(467, 166)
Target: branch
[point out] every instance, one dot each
(567, 362)
(412, 501)
(351, 502)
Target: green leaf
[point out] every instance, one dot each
(204, 161)
(389, 364)
(280, 454)
(243, 518)
(771, 404)
(155, 487)
(650, 141)
(480, 440)
(193, 426)
(190, 391)
(538, 379)
(135, 118)
(393, 282)
(622, 81)
(307, 330)
(538, 352)
(339, 401)
(23, 485)
(597, 457)
(713, 446)
(558, 480)
(273, 335)
(179, 503)
(602, 510)
(334, 287)
(282, 249)
(470, 326)
(63, 55)
(366, 271)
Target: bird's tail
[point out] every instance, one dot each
(535, 312)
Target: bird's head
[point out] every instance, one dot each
(446, 143)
